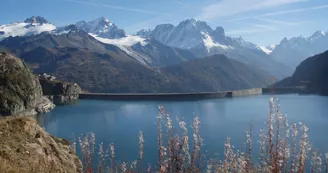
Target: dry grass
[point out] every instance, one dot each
(26, 148)
(283, 148)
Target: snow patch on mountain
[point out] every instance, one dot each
(24, 29)
(125, 44)
(268, 48)
(209, 43)
(129, 40)
(64, 30)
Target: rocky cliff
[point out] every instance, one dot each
(58, 91)
(20, 90)
(26, 147)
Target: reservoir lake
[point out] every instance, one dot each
(119, 122)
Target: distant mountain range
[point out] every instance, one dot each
(73, 55)
(101, 57)
(292, 52)
(199, 38)
(151, 46)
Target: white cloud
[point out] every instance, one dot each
(231, 7)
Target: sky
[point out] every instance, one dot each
(259, 21)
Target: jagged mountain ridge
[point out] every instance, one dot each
(192, 33)
(294, 50)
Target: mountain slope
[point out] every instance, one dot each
(216, 73)
(78, 39)
(312, 72)
(119, 73)
(149, 52)
(293, 51)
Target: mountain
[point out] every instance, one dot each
(101, 27)
(147, 52)
(31, 26)
(129, 63)
(268, 48)
(293, 51)
(312, 72)
(100, 67)
(199, 38)
(163, 46)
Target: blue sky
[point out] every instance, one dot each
(259, 21)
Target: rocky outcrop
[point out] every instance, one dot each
(58, 91)
(20, 90)
(26, 147)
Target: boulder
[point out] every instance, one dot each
(20, 90)
(26, 147)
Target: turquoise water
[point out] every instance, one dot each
(119, 121)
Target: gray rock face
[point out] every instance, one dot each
(20, 90)
(59, 92)
(36, 19)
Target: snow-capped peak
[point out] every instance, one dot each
(317, 34)
(101, 27)
(36, 19)
(193, 24)
(268, 48)
(31, 26)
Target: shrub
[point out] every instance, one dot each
(279, 150)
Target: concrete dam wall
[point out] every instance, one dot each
(170, 96)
